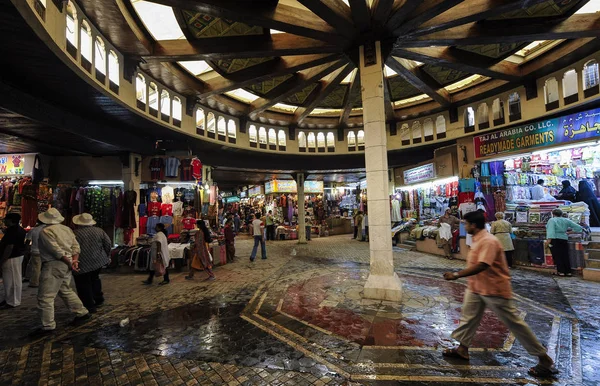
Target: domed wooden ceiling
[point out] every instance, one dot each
(302, 55)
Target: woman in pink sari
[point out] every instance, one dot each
(201, 258)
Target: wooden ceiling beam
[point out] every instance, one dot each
(400, 12)
(360, 14)
(292, 86)
(347, 108)
(389, 104)
(380, 11)
(425, 11)
(472, 11)
(460, 61)
(576, 26)
(421, 80)
(238, 47)
(327, 87)
(285, 65)
(269, 15)
(336, 13)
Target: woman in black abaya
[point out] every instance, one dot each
(586, 194)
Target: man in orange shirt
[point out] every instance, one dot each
(489, 287)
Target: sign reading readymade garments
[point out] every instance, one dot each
(570, 128)
(418, 174)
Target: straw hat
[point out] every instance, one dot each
(84, 219)
(52, 216)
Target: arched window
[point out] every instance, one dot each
(71, 30)
(200, 118)
(469, 117)
(86, 41)
(514, 106)
(330, 140)
(231, 129)
(483, 116)
(272, 137)
(417, 134)
(221, 126)
(360, 138)
(302, 140)
(551, 91)
(311, 141)
(262, 136)
(113, 68)
(165, 103)
(140, 88)
(100, 56)
(252, 133)
(153, 96)
(590, 74)
(210, 123)
(440, 126)
(321, 140)
(428, 129)
(281, 138)
(177, 108)
(570, 84)
(498, 111)
(405, 134)
(351, 139)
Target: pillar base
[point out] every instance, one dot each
(382, 287)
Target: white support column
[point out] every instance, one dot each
(301, 216)
(383, 283)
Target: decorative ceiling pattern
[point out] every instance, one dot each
(272, 47)
(203, 26)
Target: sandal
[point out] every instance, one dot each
(543, 372)
(453, 353)
(558, 274)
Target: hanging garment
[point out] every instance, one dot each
(130, 198)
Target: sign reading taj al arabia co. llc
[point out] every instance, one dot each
(556, 131)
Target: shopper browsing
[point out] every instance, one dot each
(257, 231)
(558, 240)
(12, 251)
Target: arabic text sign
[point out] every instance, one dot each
(255, 191)
(12, 164)
(418, 174)
(573, 127)
(313, 186)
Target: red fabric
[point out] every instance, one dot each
(197, 169)
(157, 169)
(466, 197)
(143, 223)
(166, 210)
(154, 208)
(189, 223)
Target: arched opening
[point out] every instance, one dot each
(262, 137)
(153, 98)
(211, 125)
(200, 121)
(253, 135)
(360, 139)
(351, 141)
(428, 129)
(469, 119)
(483, 116)
(417, 133)
(113, 71)
(321, 144)
(330, 141)
(514, 107)
(440, 127)
(231, 130)
(302, 141)
(590, 78)
(177, 110)
(165, 105)
(570, 87)
(281, 139)
(85, 45)
(140, 90)
(272, 139)
(498, 111)
(551, 93)
(71, 29)
(221, 128)
(311, 142)
(100, 59)
(405, 134)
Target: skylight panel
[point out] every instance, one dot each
(159, 20)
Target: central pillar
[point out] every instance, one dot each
(301, 216)
(383, 283)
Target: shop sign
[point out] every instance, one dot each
(570, 128)
(255, 191)
(243, 194)
(285, 186)
(270, 187)
(12, 164)
(313, 186)
(290, 186)
(226, 194)
(418, 174)
(229, 200)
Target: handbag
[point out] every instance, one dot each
(159, 265)
(196, 263)
(37, 174)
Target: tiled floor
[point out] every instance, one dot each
(298, 319)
